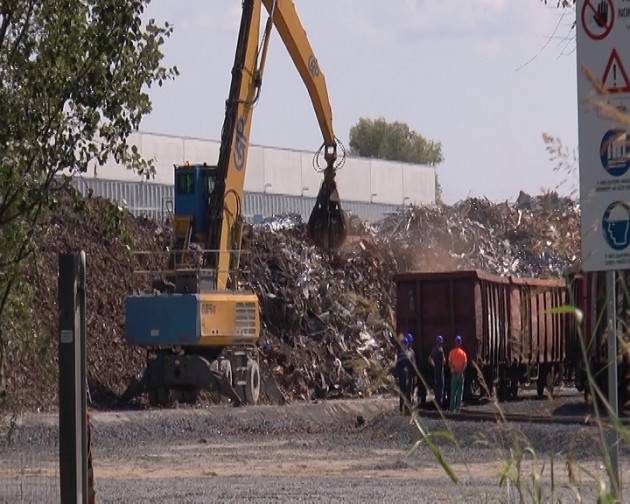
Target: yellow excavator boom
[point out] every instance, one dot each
(292, 33)
(247, 74)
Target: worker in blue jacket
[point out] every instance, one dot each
(437, 360)
(405, 372)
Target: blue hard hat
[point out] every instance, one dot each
(458, 340)
(439, 340)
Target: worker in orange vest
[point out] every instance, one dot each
(457, 361)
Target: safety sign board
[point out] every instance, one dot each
(603, 52)
(615, 152)
(598, 18)
(616, 225)
(615, 77)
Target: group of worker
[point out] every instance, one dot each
(407, 372)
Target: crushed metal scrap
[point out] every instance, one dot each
(328, 317)
(533, 237)
(328, 320)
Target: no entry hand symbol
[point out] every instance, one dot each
(598, 18)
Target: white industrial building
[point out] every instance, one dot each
(277, 180)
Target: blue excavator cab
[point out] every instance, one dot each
(194, 185)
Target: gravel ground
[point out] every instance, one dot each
(343, 451)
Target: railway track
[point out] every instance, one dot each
(491, 416)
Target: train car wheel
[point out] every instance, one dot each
(503, 390)
(540, 385)
(475, 388)
(550, 381)
(514, 387)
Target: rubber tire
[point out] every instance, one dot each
(225, 367)
(159, 396)
(252, 388)
(190, 396)
(152, 397)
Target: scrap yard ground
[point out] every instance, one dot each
(328, 327)
(338, 451)
(333, 309)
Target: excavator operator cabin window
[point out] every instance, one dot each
(211, 184)
(185, 183)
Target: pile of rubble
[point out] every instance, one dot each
(109, 235)
(328, 318)
(533, 237)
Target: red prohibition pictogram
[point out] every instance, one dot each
(598, 18)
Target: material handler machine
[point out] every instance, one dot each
(200, 328)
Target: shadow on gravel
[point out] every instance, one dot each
(572, 409)
(103, 398)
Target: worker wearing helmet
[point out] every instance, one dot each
(405, 371)
(457, 361)
(437, 361)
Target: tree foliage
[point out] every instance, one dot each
(376, 138)
(560, 3)
(74, 76)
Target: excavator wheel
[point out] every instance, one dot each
(225, 366)
(190, 396)
(159, 396)
(252, 386)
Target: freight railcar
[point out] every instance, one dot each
(587, 291)
(509, 332)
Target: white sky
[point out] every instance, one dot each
(446, 67)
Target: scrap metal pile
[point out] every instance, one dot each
(109, 235)
(533, 237)
(328, 317)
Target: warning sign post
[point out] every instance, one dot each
(598, 18)
(603, 51)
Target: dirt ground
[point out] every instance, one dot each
(341, 451)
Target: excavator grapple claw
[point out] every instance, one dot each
(327, 224)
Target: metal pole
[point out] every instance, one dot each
(613, 436)
(72, 389)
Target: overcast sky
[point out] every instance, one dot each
(485, 77)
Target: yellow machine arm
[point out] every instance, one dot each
(327, 223)
(287, 22)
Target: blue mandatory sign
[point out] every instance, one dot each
(616, 225)
(615, 152)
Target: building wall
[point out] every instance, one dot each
(277, 180)
(155, 201)
(284, 172)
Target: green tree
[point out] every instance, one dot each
(74, 76)
(376, 138)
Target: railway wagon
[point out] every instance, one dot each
(587, 291)
(509, 333)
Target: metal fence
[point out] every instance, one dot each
(155, 201)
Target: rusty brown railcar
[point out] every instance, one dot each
(509, 330)
(587, 291)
